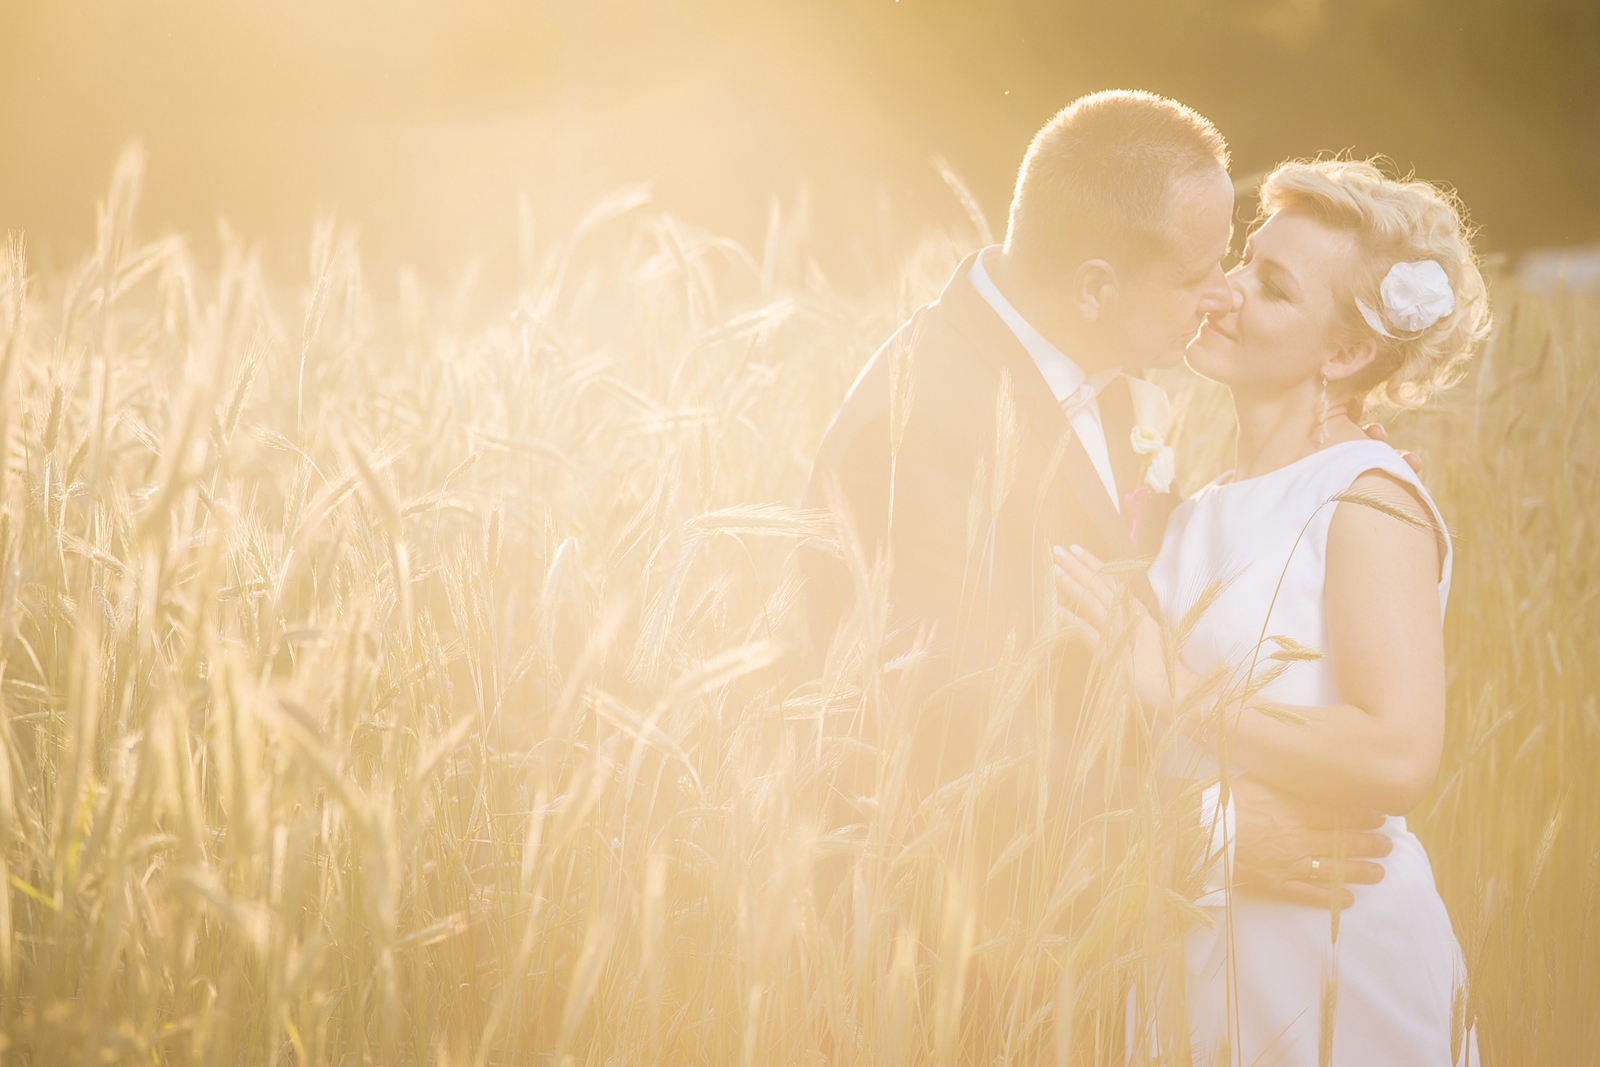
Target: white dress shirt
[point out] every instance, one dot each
(1064, 377)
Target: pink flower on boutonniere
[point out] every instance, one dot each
(1133, 506)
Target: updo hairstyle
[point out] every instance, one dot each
(1393, 221)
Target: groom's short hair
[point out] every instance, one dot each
(1098, 180)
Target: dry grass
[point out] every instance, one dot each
(384, 687)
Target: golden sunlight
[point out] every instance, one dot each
(828, 533)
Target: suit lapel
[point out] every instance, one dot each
(970, 314)
(1090, 492)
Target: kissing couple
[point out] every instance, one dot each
(1004, 454)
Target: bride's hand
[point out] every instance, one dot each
(1089, 597)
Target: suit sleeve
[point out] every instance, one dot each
(944, 574)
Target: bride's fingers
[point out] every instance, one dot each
(1089, 559)
(1079, 601)
(1090, 570)
(1082, 590)
(1085, 570)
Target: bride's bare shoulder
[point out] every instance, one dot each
(1394, 490)
(1382, 515)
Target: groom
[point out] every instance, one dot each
(1002, 420)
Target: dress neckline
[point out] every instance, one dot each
(1228, 481)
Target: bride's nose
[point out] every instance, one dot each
(1219, 297)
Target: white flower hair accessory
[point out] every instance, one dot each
(1415, 296)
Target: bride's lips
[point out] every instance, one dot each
(1214, 328)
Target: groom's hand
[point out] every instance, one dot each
(1376, 431)
(1278, 836)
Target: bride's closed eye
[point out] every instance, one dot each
(1268, 272)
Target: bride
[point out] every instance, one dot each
(1355, 287)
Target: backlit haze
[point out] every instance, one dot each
(421, 123)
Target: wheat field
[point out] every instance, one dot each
(387, 681)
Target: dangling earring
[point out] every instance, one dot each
(1322, 435)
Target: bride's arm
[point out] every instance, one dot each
(1386, 643)
(1385, 638)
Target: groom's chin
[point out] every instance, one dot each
(1203, 363)
(1202, 348)
(1173, 357)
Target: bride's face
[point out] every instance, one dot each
(1285, 323)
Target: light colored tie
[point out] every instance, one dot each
(1088, 392)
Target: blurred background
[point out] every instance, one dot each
(421, 122)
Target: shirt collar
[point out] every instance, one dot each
(1062, 375)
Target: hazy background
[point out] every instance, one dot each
(421, 122)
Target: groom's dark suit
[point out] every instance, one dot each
(971, 547)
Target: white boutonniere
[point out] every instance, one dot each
(1152, 413)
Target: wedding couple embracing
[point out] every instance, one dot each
(1019, 391)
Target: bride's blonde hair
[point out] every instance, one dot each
(1393, 221)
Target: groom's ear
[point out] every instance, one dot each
(1094, 289)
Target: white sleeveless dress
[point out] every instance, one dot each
(1398, 963)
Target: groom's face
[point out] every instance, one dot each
(1162, 303)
